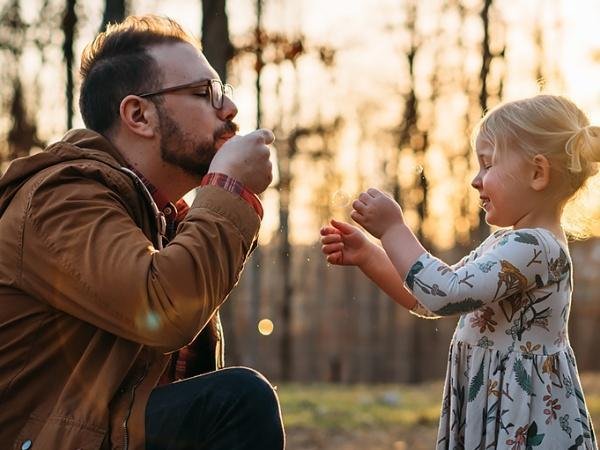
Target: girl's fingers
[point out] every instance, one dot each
(329, 249)
(357, 216)
(335, 258)
(327, 230)
(358, 205)
(344, 227)
(365, 198)
(331, 238)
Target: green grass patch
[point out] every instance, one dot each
(590, 382)
(328, 406)
(358, 407)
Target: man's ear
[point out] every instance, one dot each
(138, 116)
(541, 173)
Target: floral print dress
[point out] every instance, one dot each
(512, 381)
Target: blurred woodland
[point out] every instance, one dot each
(451, 63)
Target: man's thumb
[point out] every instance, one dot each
(266, 134)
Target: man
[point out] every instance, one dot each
(104, 272)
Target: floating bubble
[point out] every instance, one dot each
(339, 199)
(265, 327)
(419, 168)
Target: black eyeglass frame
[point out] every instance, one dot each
(213, 86)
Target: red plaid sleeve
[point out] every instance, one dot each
(232, 185)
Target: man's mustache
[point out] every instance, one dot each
(228, 129)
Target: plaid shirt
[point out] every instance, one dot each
(195, 358)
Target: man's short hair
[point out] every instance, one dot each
(116, 64)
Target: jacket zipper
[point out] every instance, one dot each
(159, 217)
(161, 225)
(134, 387)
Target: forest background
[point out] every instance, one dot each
(359, 93)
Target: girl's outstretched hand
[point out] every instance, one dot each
(376, 212)
(344, 244)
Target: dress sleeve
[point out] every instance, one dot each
(513, 263)
(421, 310)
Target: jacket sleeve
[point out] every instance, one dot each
(516, 263)
(82, 253)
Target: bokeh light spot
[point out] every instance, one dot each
(265, 327)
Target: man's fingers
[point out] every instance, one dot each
(266, 135)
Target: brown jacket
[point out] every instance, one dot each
(89, 303)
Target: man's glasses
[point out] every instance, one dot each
(214, 88)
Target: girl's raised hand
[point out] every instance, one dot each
(376, 212)
(344, 244)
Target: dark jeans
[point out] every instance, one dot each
(230, 409)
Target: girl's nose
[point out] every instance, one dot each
(476, 182)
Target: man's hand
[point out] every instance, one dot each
(246, 158)
(376, 212)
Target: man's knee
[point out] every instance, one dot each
(250, 387)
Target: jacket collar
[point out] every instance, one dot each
(87, 139)
(94, 143)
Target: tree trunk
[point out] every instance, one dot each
(218, 50)
(22, 135)
(486, 60)
(114, 11)
(284, 159)
(215, 36)
(69, 25)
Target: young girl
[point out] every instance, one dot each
(512, 380)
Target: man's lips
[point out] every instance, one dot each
(223, 138)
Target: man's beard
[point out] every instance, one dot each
(179, 149)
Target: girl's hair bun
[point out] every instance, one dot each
(583, 147)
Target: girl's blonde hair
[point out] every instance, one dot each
(547, 125)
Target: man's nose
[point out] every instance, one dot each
(228, 111)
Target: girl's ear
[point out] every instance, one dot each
(541, 173)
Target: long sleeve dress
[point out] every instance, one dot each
(512, 380)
